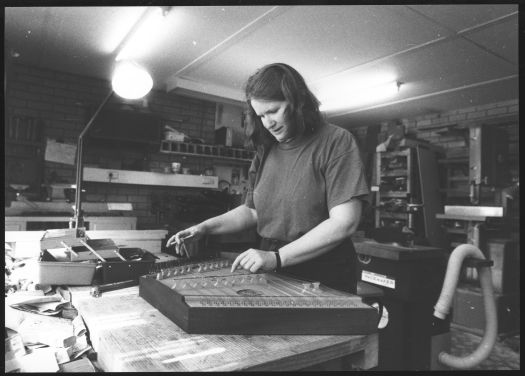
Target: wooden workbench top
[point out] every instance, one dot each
(130, 335)
(397, 252)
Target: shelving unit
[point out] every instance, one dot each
(394, 172)
(24, 150)
(408, 192)
(204, 150)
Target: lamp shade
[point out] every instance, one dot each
(130, 80)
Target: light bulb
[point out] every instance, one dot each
(131, 81)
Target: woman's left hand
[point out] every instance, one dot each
(255, 259)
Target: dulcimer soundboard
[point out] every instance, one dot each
(207, 298)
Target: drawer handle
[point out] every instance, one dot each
(364, 259)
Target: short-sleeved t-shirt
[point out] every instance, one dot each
(300, 181)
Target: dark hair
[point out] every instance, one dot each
(280, 82)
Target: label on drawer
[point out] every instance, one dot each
(378, 279)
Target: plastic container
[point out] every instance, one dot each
(63, 273)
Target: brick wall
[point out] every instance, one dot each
(485, 113)
(65, 103)
(450, 143)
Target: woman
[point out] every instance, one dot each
(306, 186)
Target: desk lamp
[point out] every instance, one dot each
(130, 81)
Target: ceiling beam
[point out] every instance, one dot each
(204, 90)
(418, 97)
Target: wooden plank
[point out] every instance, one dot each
(150, 240)
(473, 218)
(397, 252)
(23, 236)
(128, 234)
(475, 211)
(132, 336)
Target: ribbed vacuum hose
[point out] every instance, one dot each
(442, 307)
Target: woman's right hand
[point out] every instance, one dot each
(192, 233)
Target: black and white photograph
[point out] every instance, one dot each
(261, 186)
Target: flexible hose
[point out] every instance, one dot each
(442, 307)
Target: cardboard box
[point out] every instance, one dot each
(230, 137)
(469, 312)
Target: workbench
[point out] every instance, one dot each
(130, 335)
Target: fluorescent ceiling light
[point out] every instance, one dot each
(143, 36)
(131, 81)
(121, 25)
(342, 94)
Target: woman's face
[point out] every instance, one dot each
(274, 117)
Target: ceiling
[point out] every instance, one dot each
(446, 56)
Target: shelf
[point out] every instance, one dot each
(121, 139)
(37, 223)
(394, 153)
(394, 173)
(458, 178)
(52, 207)
(207, 151)
(149, 178)
(394, 194)
(460, 231)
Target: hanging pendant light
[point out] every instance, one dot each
(130, 80)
